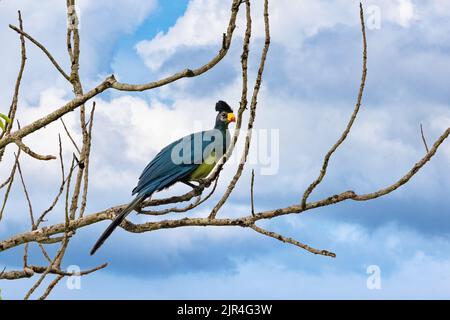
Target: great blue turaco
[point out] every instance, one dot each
(188, 159)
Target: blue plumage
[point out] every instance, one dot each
(178, 162)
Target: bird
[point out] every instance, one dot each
(188, 159)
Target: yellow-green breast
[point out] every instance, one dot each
(204, 169)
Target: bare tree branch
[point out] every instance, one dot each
(5, 182)
(31, 271)
(344, 135)
(58, 113)
(62, 274)
(409, 175)
(51, 286)
(189, 207)
(27, 196)
(15, 99)
(243, 104)
(31, 153)
(188, 73)
(61, 188)
(423, 138)
(10, 181)
(293, 241)
(43, 48)
(48, 269)
(86, 161)
(70, 136)
(252, 117)
(252, 200)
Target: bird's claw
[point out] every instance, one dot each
(199, 187)
(201, 183)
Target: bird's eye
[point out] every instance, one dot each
(223, 115)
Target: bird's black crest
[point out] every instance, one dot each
(223, 106)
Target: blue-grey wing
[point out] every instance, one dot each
(177, 160)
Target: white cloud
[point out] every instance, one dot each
(46, 21)
(205, 20)
(349, 233)
(189, 30)
(406, 12)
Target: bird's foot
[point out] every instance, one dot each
(140, 209)
(193, 186)
(201, 183)
(199, 187)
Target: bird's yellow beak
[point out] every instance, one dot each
(231, 117)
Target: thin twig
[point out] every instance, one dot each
(5, 183)
(61, 188)
(32, 270)
(51, 286)
(42, 47)
(27, 196)
(423, 138)
(344, 135)
(70, 136)
(293, 241)
(78, 90)
(15, 99)
(251, 192)
(47, 270)
(243, 103)
(33, 154)
(56, 262)
(25, 255)
(252, 117)
(69, 178)
(44, 253)
(409, 175)
(11, 180)
(87, 162)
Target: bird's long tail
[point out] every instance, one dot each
(117, 221)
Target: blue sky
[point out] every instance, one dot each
(310, 85)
